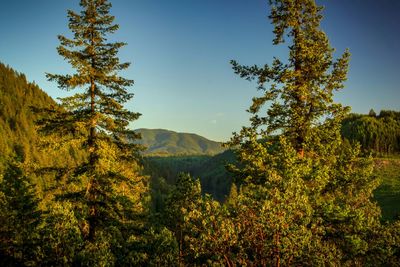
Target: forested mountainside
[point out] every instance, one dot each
(17, 130)
(160, 142)
(377, 133)
(21, 102)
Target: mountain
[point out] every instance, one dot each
(160, 142)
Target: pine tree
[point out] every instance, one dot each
(106, 187)
(300, 91)
(19, 218)
(183, 199)
(305, 198)
(372, 113)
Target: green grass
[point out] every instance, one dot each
(388, 193)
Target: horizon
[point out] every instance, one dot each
(183, 80)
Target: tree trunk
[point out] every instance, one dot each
(92, 186)
(299, 98)
(92, 194)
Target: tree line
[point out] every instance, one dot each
(377, 134)
(303, 198)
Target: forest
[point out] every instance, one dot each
(306, 183)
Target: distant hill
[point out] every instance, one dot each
(161, 142)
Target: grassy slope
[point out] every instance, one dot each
(388, 193)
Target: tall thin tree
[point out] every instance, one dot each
(106, 184)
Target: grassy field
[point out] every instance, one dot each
(388, 193)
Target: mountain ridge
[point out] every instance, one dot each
(163, 142)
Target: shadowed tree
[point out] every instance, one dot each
(182, 199)
(19, 218)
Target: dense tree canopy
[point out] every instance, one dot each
(19, 218)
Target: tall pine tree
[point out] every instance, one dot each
(106, 187)
(300, 91)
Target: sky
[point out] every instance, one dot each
(180, 52)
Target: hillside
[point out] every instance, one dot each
(161, 142)
(18, 135)
(388, 193)
(17, 130)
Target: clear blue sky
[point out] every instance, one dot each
(180, 50)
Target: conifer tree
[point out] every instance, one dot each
(106, 187)
(184, 198)
(304, 199)
(300, 91)
(372, 113)
(19, 218)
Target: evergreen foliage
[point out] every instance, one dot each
(183, 199)
(213, 240)
(61, 239)
(214, 178)
(19, 218)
